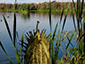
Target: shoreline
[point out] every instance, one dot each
(36, 11)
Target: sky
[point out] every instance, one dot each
(32, 1)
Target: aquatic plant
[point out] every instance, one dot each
(39, 50)
(39, 46)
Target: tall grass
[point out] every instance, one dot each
(81, 28)
(80, 55)
(19, 57)
(54, 54)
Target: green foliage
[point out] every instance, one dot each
(54, 53)
(18, 58)
(25, 7)
(13, 40)
(7, 26)
(32, 6)
(5, 52)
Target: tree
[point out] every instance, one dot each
(25, 7)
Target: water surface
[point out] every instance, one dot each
(24, 21)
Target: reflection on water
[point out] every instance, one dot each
(24, 21)
(26, 15)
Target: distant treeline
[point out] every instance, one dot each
(38, 6)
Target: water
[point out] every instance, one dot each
(24, 21)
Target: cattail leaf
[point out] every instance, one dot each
(5, 52)
(50, 15)
(17, 55)
(23, 59)
(70, 40)
(57, 38)
(57, 47)
(7, 26)
(65, 18)
(72, 35)
(22, 38)
(20, 53)
(73, 20)
(14, 29)
(80, 14)
(17, 35)
(55, 31)
(74, 6)
(62, 12)
(82, 6)
(28, 57)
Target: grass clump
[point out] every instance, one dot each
(70, 55)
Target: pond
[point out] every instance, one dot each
(30, 21)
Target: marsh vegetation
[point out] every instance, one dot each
(57, 40)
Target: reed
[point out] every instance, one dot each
(19, 57)
(81, 28)
(79, 13)
(76, 57)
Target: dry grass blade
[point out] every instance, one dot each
(64, 37)
(78, 59)
(71, 59)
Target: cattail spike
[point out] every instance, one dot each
(37, 26)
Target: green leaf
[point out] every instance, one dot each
(83, 61)
(62, 12)
(82, 7)
(70, 40)
(5, 52)
(65, 17)
(74, 6)
(17, 55)
(22, 38)
(57, 47)
(20, 53)
(14, 29)
(8, 29)
(50, 15)
(23, 59)
(73, 20)
(55, 31)
(28, 60)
